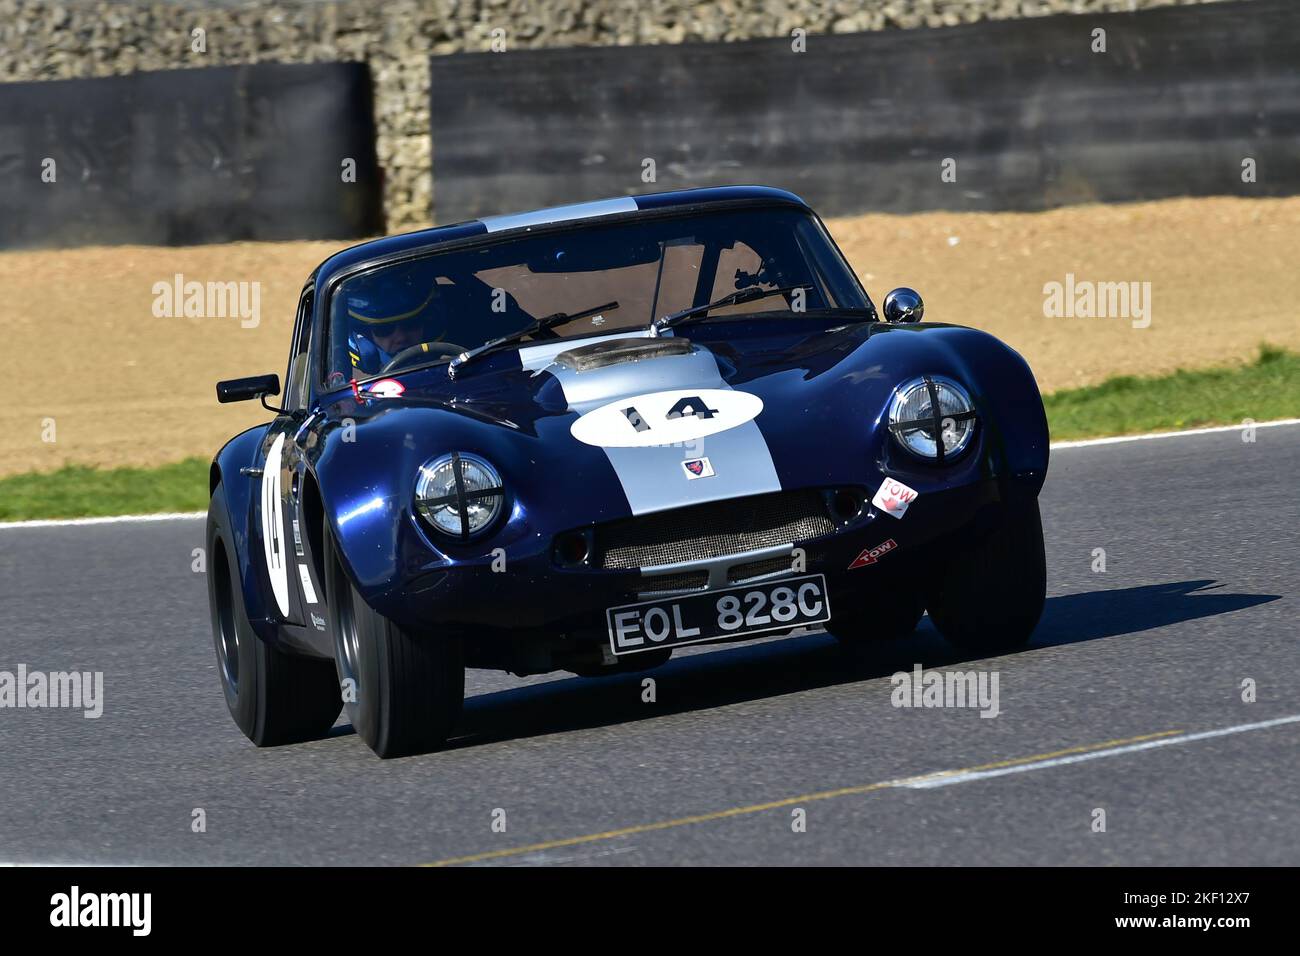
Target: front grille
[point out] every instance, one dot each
(673, 583)
(711, 530)
(756, 569)
(784, 563)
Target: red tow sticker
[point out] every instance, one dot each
(872, 555)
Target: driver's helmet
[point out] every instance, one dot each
(388, 311)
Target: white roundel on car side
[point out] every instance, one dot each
(273, 543)
(662, 418)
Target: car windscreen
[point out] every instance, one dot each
(444, 303)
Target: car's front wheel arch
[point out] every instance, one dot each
(403, 692)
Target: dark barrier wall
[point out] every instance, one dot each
(190, 156)
(862, 122)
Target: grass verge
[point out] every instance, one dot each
(1267, 388)
(76, 491)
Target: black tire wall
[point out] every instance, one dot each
(862, 122)
(190, 156)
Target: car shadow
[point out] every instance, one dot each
(1073, 618)
(732, 675)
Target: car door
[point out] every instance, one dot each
(295, 587)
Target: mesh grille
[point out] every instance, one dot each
(756, 569)
(712, 530)
(784, 563)
(672, 583)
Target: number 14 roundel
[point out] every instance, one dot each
(662, 418)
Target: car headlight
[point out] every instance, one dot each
(459, 494)
(932, 417)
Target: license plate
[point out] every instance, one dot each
(776, 606)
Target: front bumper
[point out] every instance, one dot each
(527, 604)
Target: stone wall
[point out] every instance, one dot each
(48, 39)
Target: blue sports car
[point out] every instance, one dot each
(577, 438)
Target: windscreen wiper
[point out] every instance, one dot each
(541, 325)
(753, 293)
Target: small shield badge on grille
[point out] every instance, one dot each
(698, 468)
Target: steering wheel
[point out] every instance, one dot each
(429, 349)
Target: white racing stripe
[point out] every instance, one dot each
(535, 357)
(539, 217)
(947, 778)
(194, 515)
(648, 460)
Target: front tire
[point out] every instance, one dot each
(988, 596)
(275, 697)
(404, 694)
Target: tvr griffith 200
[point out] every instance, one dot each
(579, 438)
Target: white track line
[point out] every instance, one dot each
(113, 519)
(192, 515)
(1119, 439)
(947, 778)
(81, 866)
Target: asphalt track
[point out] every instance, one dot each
(1103, 710)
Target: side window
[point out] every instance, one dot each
(295, 389)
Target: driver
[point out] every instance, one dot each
(392, 311)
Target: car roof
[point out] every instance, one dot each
(364, 252)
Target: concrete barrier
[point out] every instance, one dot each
(269, 151)
(1014, 114)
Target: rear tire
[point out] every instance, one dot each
(275, 697)
(406, 693)
(989, 596)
